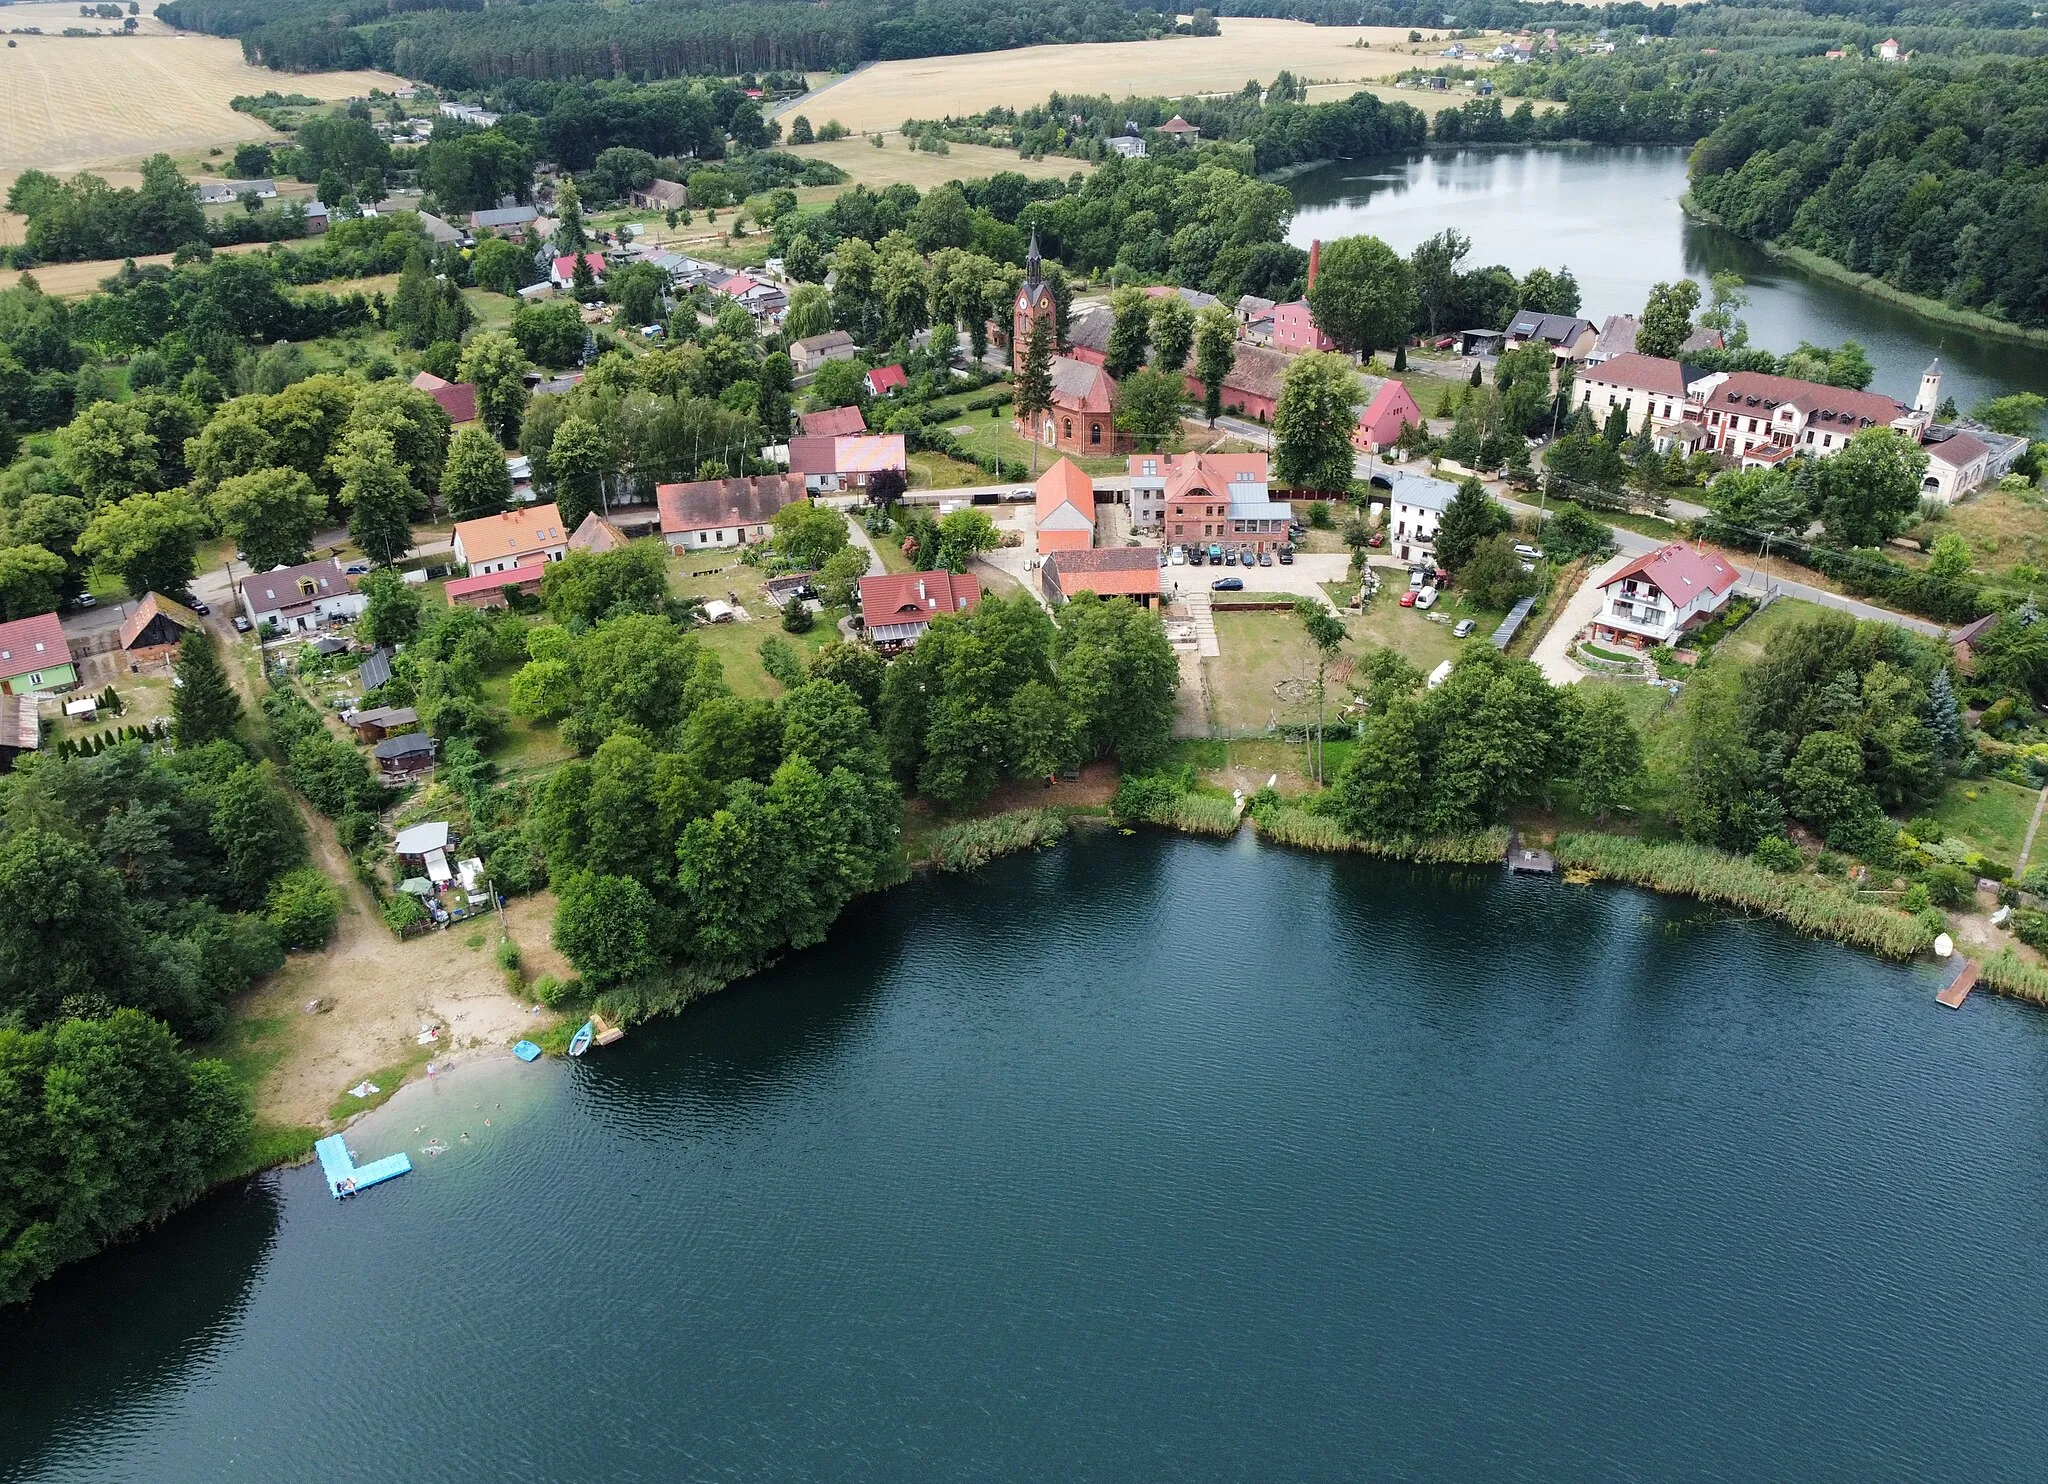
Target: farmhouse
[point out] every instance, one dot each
(456, 398)
(1415, 505)
(227, 192)
(845, 462)
(724, 512)
(1111, 572)
(1390, 411)
(1066, 508)
(1251, 388)
(661, 195)
(34, 656)
(301, 599)
(504, 221)
(897, 609)
(833, 422)
(1568, 337)
(153, 630)
(886, 381)
(597, 535)
(498, 543)
(1658, 596)
(488, 589)
(562, 273)
(811, 352)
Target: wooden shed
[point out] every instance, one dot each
(151, 634)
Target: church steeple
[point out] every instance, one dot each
(1032, 259)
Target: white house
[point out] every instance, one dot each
(302, 599)
(1649, 388)
(724, 512)
(498, 543)
(1415, 506)
(1660, 595)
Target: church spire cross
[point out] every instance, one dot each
(1032, 259)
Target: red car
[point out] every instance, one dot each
(1377, 538)
(1408, 598)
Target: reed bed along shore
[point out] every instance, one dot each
(2009, 974)
(1713, 876)
(1289, 824)
(976, 842)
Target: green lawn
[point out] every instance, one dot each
(1746, 645)
(1424, 643)
(1989, 813)
(524, 746)
(738, 647)
(1259, 651)
(994, 434)
(935, 471)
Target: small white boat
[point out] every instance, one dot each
(580, 1042)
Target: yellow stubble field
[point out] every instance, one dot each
(884, 95)
(70, 102)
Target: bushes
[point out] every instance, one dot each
(1712, 876)
(2031, 928)
(1777, 853)
(403, 913)
(1290, 824)
(303, 906)
(1949, 886)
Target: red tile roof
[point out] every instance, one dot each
(1773, 391)
(1390, 410)
(565, 266)
(915, 597)
(1112, 572)
(1065, 484)
(1645, 373)
(457, 399)
(718, 504)
(31, 644)
(833, 422)
(885, 379)
(1679, 571)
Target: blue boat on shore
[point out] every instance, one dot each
(526, 1051)
(580, 1042)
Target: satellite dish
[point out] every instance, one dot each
(1944, 945)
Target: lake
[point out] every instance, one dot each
(1611, 215)
(1145, 1158)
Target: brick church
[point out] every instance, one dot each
(1082, 418)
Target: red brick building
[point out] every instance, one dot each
(1082, 418)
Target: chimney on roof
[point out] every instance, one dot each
(1315, 260)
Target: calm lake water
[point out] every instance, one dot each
(1142, 1159)
(1612, 217)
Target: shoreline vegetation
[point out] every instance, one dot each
(1933, 310)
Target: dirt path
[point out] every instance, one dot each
(375, 994)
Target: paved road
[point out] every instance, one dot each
(1552, 652)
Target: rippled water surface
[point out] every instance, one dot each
(1142, 1159)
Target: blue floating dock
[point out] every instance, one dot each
(345, 1176)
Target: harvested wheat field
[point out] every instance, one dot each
(76, 280)
(884, 95)
(895, 161)
(67, 102)
(1428, 100)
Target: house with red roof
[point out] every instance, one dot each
(1661, 594)
(1153, 474)
(886, 381)
(1650, 391)
(898, 608)
(563, 273)
(1762, 420)
(833, 422)
(847, 461)
(457, 399)
(34, 656)
(1066, 509)
(487, 589)
(1390, 411)
(1108, 572)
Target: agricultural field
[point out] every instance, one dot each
(884, 95)
(896, 163)
(69, 102)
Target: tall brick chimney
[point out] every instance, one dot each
(1315, 258)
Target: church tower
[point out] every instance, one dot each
(1034, 301)
(1929, 400)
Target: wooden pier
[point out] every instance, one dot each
(1526, 862)
(1959, 988)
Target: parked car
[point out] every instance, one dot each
(1230, 557)
(1527, 552)
(1464, 628)
(1023, 494)
(1228, 585)
(200, 608)
(356, 569)
(1377, 538)
(1195, 556)
(1286, 556)
(1426, 598)
(1215, 554)
(241, 624)
(1415, 579)
(85, 600)
(1177, 557)
(1265, 559)
(1408, 598)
